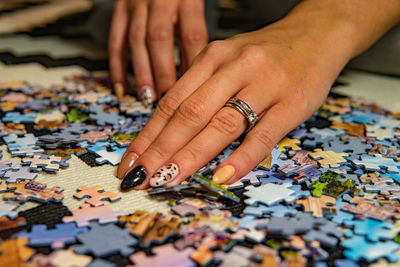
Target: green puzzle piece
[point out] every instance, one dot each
(124, 137)
(330, 184)
(217, 188)
(75, 115)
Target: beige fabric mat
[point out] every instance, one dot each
(29, 18)
(81, 174)
(52, 46)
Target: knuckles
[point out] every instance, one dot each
(191, 111)
(263, 138)
(227, 122)
(166, 106)
(252, 53)
(195, 37)
(136, 34)
(159, 33)
(215, 48)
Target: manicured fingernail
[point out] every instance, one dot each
(126, 162)
(223, 174)
(119, 90)
(134, 178)
(146, 95)
(164, 175)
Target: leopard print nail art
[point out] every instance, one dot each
(164, 175)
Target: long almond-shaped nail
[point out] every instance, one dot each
(223, 174)
(146, 95)
(119, 90)
(164, 175)
(134, 178)
(126, 162)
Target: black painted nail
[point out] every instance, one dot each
(134, 178)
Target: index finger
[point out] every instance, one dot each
(117, 47)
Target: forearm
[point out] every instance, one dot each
(330, 32)
(361, 21)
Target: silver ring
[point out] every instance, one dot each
(245, 110)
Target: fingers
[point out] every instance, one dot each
(225, 127)
(259, 142)
(160, 40)
(191, 117)
(167, 106)
(117, 47)
(193, 30)
(140, 55)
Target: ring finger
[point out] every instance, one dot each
(226, 126)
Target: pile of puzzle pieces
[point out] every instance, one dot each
(327, 195)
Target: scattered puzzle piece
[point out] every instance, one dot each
(32, 190)
(14, 252)
(45, 162)
(102, 214)
(165, 256)
(319, 206)
(15, 174)
(359, 248)
(270, 194)
(372, 229)
(63, 234)
(117, 241)
(62, 258)
(96, 195)
(328, 158)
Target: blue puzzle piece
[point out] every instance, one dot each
(16, 117)
(341, 215)
(8, 209)
(377, 162)
(365, 117)
(63, 234)
(345, 263)
(251, 177)
(22, 145)
(373, 230)
(103, 118)
(110, 155)
(21, 173)
(272, 211)
(358, 247)
(4, 166)
(105, 240)
(101, 263)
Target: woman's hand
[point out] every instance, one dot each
(147, 28)
(283, 72)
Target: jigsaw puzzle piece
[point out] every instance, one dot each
(373, 230)
(165, 256)
(102, 214)
(358, 248)
(8, 210)
(269, 194)
(45, 162)
(96, 195)
(19, 173)
(63, 234)
(16, 117)
(118, 241)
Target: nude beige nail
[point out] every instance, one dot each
(164, 175)
(223, 174)
(126, 162)
(119, 90)
(146, 95)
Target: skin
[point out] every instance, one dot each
(283, 71)
(147, 28)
